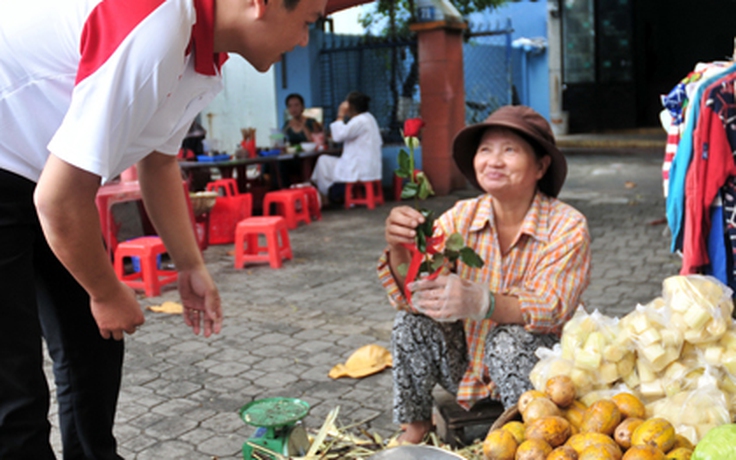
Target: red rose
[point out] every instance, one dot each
(412, 126)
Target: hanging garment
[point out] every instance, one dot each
(675, 204)
(712, 164)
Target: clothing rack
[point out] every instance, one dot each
(707, 242)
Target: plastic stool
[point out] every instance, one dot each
(363, 193)
(248, 249)
(312, 196)
(229, 187)
(290, 204)
(150, 278)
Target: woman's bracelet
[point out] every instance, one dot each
(492, 305)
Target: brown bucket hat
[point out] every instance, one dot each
(528, 124)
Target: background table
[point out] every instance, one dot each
(121, 192)
(306, 160)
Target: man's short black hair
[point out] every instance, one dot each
(358, 101)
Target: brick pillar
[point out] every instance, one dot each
(442, 90)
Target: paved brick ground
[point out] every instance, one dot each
(284, 329)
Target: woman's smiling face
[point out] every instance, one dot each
(505, 163)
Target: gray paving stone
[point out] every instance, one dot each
(124, 432)
(150, 337)
(175, 407)
(189, 347)
(200, 413)
(168, 449)
(170, 428)
(139, 443)
(223, 423)
(146, 420)
(128, 411)
(229, 369)
(271, 350)
(281, 339)
(140, 376)
(222, 446)
(197, 436)
(178, 389)
(147, 399)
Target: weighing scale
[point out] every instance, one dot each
(279, 428)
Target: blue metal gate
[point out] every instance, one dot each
(487, 68)
(386, 69)
(383, 68)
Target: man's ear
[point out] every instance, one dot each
(261, 6)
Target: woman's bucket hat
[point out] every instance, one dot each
(530, 125)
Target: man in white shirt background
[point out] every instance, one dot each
(360, 160)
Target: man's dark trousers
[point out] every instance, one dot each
(41, 300)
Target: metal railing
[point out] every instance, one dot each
(487, 67)
(386, 69)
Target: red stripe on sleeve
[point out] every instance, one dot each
(106, 27)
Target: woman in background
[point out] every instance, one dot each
(299, 128)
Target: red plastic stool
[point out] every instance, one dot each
(225, 215)
(363, 193)
(229, 187)
(290, 204)
(248, 249)
(312, 196)
(150, 278)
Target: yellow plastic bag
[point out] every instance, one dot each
(173, 308)
(365, 361)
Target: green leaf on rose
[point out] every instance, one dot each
(437, 261)
(425, 267)
(404, 165)
(427, 228)
(421, 241)
(410, 190)
(470, 258)
(451, 256)
(423, 190)
(425, 187)
(454, 242)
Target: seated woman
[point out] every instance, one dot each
(299, 128)
(474, 332)
(356, 128)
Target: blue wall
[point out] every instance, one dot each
(302, 75)
(529, 20)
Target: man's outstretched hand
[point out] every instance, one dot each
(201, 301)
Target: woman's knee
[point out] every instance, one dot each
(510, 337)
(409, 331)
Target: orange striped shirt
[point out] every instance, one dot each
(547, 269)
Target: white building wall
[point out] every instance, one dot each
(247, 100)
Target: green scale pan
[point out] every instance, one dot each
(279, 428)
